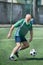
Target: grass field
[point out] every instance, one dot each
(6, 46)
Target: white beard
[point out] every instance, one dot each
(28, 22)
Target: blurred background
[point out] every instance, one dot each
(13, 10)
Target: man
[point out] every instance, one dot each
(24, 25)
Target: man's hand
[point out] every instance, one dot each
(9, 35)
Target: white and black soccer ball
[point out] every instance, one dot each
(33, 52)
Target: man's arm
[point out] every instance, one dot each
(17, 24)
(31, 35)
(10, 32)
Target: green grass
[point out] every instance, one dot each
(25, 58)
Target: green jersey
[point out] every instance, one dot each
(23, 27)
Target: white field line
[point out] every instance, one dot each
(26, 38)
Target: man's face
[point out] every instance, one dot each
(28, 17)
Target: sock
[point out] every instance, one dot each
(11, 55)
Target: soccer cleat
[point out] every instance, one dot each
(11, 58)
(16, 54)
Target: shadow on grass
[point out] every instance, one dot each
(26, 59)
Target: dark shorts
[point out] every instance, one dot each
(20, 39)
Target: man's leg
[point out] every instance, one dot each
(15, 50)
(24, 46)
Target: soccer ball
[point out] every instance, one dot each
(33, 52)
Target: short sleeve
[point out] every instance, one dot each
(17, 24)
